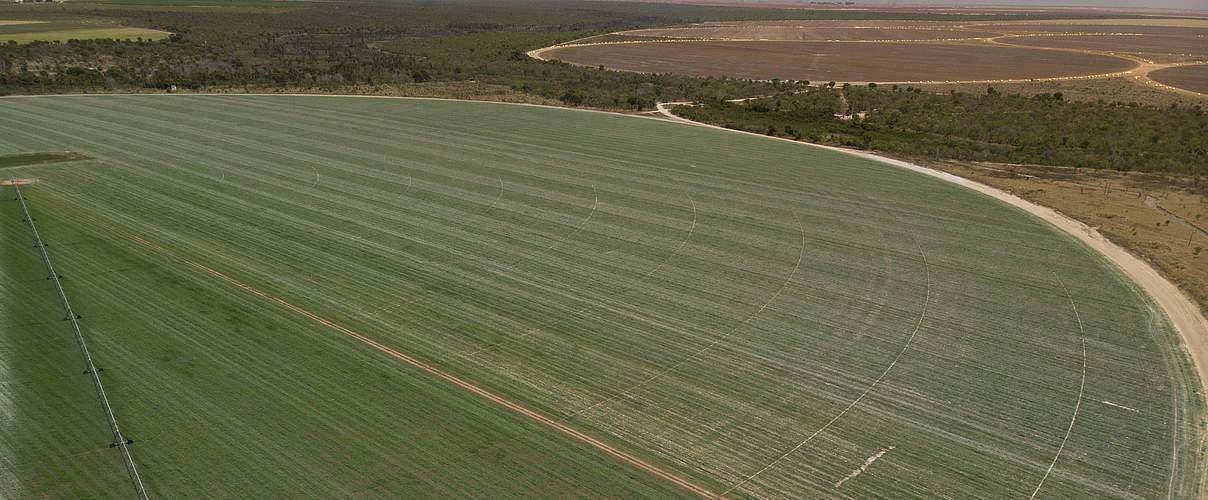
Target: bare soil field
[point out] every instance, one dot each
(1185, 46)
(913, 52)
(852, 62)
(1083, 29)
(1193, 78)
(849, 31)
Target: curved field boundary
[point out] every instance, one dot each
(909, 340)
(1139, 72)
(1156, 83)
(542, 55)
(1184, 314)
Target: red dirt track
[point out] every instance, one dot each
(490, 396)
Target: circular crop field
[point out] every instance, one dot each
(844, 62)
(322, 296)
(1193, 78)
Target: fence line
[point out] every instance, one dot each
(119, 441)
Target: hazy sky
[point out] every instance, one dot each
(1199, 5)
(1147, 4)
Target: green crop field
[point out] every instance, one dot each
(337, 296)
(69, 30)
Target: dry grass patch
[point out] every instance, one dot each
(1119, 89)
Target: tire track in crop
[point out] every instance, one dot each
(430, 369)
(497, 198)
(918, 325)
(1081, 386)
(677, 364)
(517, 149)
(496, 267)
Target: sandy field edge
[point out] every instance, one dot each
(1184, 313)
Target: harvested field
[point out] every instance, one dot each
(1187, 45)
(764, 32)
(283, 289)
(1193, 78)
(918, 52)
(1149, 26)
(850, 62)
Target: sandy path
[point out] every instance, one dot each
(1184, 314)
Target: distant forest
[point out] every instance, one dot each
(351, 46)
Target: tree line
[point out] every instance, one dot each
(1044, 129)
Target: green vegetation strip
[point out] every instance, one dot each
(119, 441)
(26, 159)
(738, 311)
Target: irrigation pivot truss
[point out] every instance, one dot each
(119, 441)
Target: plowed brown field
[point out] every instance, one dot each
(1186, 45)
(804, 32)
(1193, 78)
(849, 62)
(917, 52)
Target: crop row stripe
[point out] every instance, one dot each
(490, 396)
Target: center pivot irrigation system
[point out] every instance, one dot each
(119, 441)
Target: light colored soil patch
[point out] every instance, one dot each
(4, 22)
(19, 181)
(864, 467)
